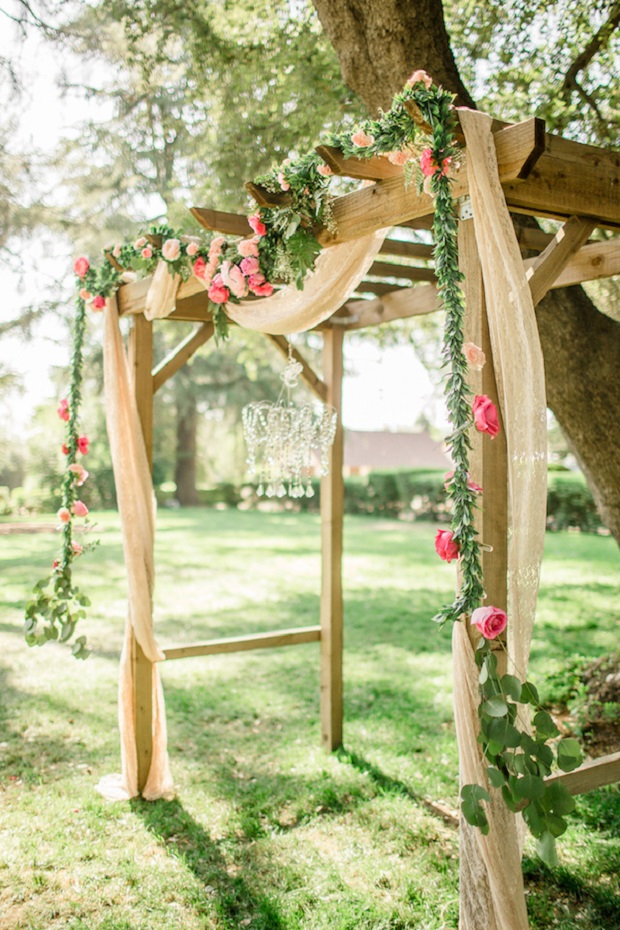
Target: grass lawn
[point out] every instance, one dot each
(267, 832)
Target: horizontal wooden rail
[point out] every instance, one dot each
(306, 634)
(590, 775)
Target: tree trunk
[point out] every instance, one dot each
(379, 45)
(185, 463)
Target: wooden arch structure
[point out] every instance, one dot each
(541, 175)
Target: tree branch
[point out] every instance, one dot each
(596, 43)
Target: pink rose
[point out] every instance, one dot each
(80, 473)
(248, 248)
(147, 252)
(218, 293)
(325, 170)
(420, 77)
(485, 415)
(63, 515)
(362, 139)
(216, 246)
(250, 265)
(283, 182)
(199, 267)
(257, 224)
(77, 549)
(82, 444)
(98, 302)
(171, 249)
(491, 621)
(236, 282)
(445, 546)
(430, 167)
(80, 509)
(63, 410)
(447, 481)
(84, 294)
(55, 564)
(81, 266)
(474, 355)
(140, 243)
(65, 448)
(263, 290)
(192, 248)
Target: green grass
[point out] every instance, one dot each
(267, 832)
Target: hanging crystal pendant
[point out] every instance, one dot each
(282, 437)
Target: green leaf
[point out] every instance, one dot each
(570, 756)
(511, 686)
(509, 799)
(473, 812)
(534, 818)
(558, 799)
(530, 787)
(529, 694)
(495, 707)
(545, 848)
(504, 733)
(496, 778)
(556, 824)
(544, 725)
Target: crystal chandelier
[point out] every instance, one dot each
(281, 438)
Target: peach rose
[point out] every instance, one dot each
(362, 139)
(80, 509)
(474, 355)
(420, 77)
(171, 249)
(80, 473)
(147, 252)
(486, 419)
(84, 294)
(192, 248)
(63, 515)
(140, 243)
(445, 546)
(490, 621)
(248, 247)
(325, 170)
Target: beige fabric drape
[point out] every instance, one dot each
(337, 274)
(136, 505)
(491, 878)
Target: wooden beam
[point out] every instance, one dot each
(141, 361)
(266, 198)
(180, 355)
(407, 272)
(545, 269)
(593, 261)
(369, 169)
(308, 634)
(594, 774)
(332, 510)
(391, 202)
(308, 376)
(232, 224)
(407, 249)
(396, 305)
(379, 288)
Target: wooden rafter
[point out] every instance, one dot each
(368, 169)
(395, 270)
(406, 249)
(181, 354)
(233, 224)
(545, 269)
(308, 376)
(395, 305)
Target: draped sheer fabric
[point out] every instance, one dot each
(491, 878)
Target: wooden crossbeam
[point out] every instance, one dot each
(307, 634)
(379, 287)
(407, 249)
(308, 376)
(590, 775)
(232, 224)
(593, 261)
(396, 305)
(265, 198)
(544, 270)
(369, 169)
(408, 272)
(180, 355)
(391, 202)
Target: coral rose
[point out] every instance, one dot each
(263, 290)
(248, 248)
(63, 410)
(199, 267)
(325, 170)
(81, 266)
(63, 515)
(147, 252)
(98, 302)
(80, 509)
(474, 355)
(490, 621)
(257, 224)
(420, 77)
(171, 249)
(82, 443)
(486, 419)
(430, 167)
(84, 294)
(445, 546)
(218, 293)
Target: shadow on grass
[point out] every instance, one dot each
(225, 892)
(584, 900)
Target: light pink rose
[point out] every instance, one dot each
(225, 272)
(248, 247)
(237, 282)
(491, 621)
(81, 266)
(475, 356)
(147, 252)
(218, 292)
(263, 290)
(250, 265)
(84, 294)
(445, 546)
(98, 302)
(325, 170)
(420, 77)
(486, 419)
(63, 515)
(192, 248)
(215, 249)
(257, 224)
(283, 182)
(116, 251)
(63, 410)
(77, 549)
(140, 243)
(401, 157)
(171, 249)
(80, 509)
(362, 139)
(80, 473)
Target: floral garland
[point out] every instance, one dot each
(284, 249)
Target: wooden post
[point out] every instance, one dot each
(141, 363)
(332, 509)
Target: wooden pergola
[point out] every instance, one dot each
(541, 175)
